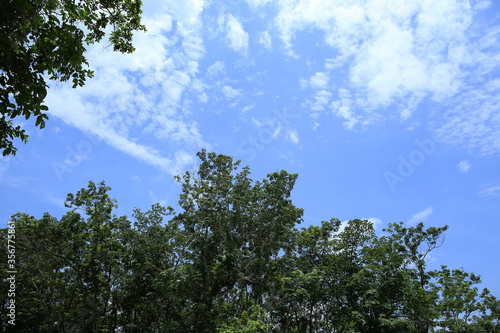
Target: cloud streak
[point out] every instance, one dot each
(421, 216)
(135, 101)
(490, 191)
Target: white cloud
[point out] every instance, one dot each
(319, 80)
(343, 108)
(230, 92)
(490, 191)
(257, 123)
(318, 103)
(375, 221)
(277, 131)
(182, 160)
(269, 122)
(420, 216)
(186, 12)
(304, 83)
(319, 83)
(247, 108)
(463, 166)
(8, 179)
(482, 4)
(474, 121)
(217, 68)
(135, 101)
(256, 3)
(342, 227)
(265, 39)
(398, 53)
(236, 36)
(141, 152)
(293, 136)
(4, 166)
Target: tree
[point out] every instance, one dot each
(70, 269)
(235, 229)
(98, 262)
(305, 289)
(42, 39)
(151, 299)
(489, 321)
(251, 321)
(410, 247)
(461, 307)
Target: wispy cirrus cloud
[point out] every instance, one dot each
(474, 121)
(135, 101)
(393, 55)
(265, 39)
(8, 179)
(490, 191)
(319, 83)
(420, 216)
(400, 54)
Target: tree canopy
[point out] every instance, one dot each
(233, 260)
(47, 39)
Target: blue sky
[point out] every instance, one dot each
(387, 110)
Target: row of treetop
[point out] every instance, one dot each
(233, 260)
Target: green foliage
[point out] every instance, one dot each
(42, 39)
(232, 261)
(251, 321)
(235, 228)
(462, 308)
